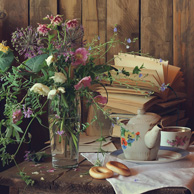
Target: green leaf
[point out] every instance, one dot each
(35, 64)
(75, 141)
(8, 132)
(17, 128)
(101, 139)
(6, 60)
(17, 136)
(137, 69)
(39, 119)
(122, 131)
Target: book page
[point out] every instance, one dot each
(121, 90)
(123, 59)
(125, 107)
(114, 110)
(153, 74)
(135, 100)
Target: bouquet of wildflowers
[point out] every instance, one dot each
(57, 66)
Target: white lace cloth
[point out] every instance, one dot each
(148, 177)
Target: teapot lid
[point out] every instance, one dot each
(145, 117)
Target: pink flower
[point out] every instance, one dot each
(81, 56)
(179, 141)
(42, 29)
(100, 99)
(16, 116)
(51, 170)
(72, 24)
(84, 82)
(57, 20)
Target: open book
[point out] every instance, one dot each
(154, 74)
(133, 93)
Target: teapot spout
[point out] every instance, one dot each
(152, 136)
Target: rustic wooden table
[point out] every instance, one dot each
(63, 181)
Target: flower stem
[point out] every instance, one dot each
(22, 139)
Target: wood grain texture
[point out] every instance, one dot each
(156, 28)
(70, 9)
(124, 14)
(40, 9)
(183, 48)
(94, 22)
(3, 15)
(14, 15)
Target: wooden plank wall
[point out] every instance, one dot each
(165, 28)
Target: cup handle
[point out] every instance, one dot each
(192, 142)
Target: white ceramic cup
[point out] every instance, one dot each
(176, 136)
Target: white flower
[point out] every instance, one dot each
(59, 77)
(61, 89)
(53, 92)
(49, 60)
(40, 89)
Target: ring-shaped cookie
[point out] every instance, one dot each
(99, 172)
(118, 168)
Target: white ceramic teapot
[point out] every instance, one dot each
(140, 137)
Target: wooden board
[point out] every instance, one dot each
(124, 14)
(3, 15)
(14, 15)
(156, 28)
(94, 23)
(70, 9)
(183, 29)
(40, 9)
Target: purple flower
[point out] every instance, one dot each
(60, 132)
(27, 42)
(98, 37)
(28, 112)
(16, 116)
(27, 156)
(90, 48)
(160, 60)
(115, 29)
(163, 87)
(140, 75)
(129, 40)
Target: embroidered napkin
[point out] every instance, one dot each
(146, 177)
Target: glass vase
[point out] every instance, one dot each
(64, 127)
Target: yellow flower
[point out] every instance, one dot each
(129, 135)
(3, 48)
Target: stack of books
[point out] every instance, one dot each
(134, 92)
